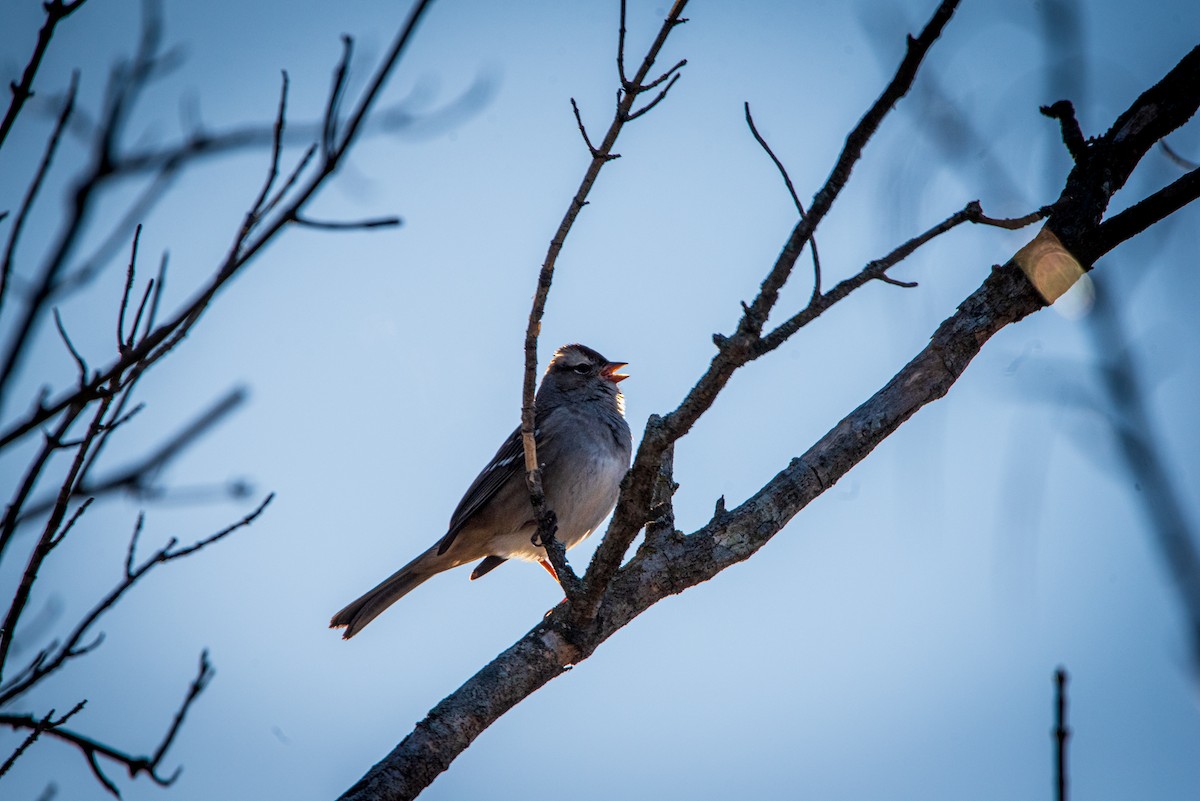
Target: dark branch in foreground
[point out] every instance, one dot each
(1061, 734)
(669, 564)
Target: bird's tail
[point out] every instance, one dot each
(361, 612)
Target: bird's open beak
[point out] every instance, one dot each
(609, 371)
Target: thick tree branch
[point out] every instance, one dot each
(670, 564)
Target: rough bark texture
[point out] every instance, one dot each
(668, 563)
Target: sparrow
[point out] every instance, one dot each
(583, 445)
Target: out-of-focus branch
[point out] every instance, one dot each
(627, 96)
(14, 235)
(56, 12)
(1133, 429)
(55, 656)
(36, 728)
(1061, 734)
(49, 536)
(92, 749)
(246, 245)
(138, 479)
(125, 85)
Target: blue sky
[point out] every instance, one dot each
(897, 639)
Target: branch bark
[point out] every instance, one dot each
(667, 564)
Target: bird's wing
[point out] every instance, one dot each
(508, 462)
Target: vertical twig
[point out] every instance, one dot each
(1061, 734)
(601, 155)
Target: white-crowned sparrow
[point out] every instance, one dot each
(583, 445)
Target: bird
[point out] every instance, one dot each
(583, 446)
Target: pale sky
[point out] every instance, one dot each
(897, 640)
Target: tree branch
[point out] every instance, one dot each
(157, 343)
(671, 564)
(633, 505)
(56, 12)
(92, 748)
(600, 156)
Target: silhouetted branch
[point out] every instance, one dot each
(138, 479)
(1072, 135)
(35, 185)
(787, 180)
(93, 749)
(157, 343)
(1061, 734)
(36, 728)
(53, 659)
(56, 12)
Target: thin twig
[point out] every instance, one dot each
(586, 139)
(47, 539)
(164, 337)
(71, 648)
(129, 276)
(56, 12)
(79, 362)
(348, 225)
(787, 180)
(92, 749)
(35, 185)
(600, 157)
(1061, 734)
(45, 724)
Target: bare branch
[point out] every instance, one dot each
(600, 156)
(633, 115)
(349, 225)
(93, 749)
(35, 185)
(336, 92)
(47, 723)
(56, 12)
(633, 506)
(586, 140)
(1061, 734)
(1141, 215)
(47, 539)
(129, 275)
(787, 180)
(671, 564)
(45, 665)
(164, 337)
(79, 362)
(1072, 134)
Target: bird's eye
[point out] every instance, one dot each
(582, 369)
